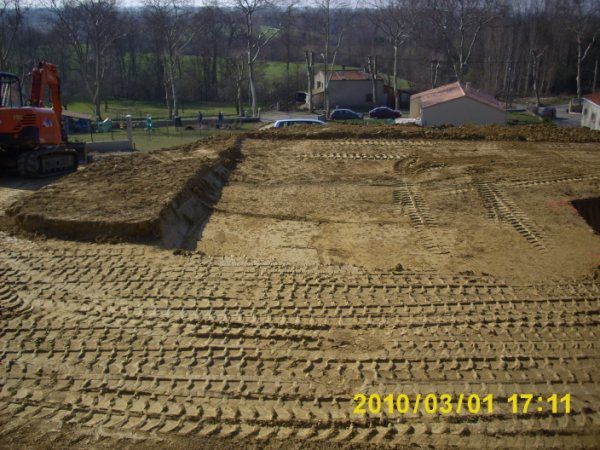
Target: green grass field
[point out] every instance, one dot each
(522, 118)
(158, 110)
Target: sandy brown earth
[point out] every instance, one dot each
(327, 268)
(136, 197)
(529, 133)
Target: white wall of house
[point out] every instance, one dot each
(461, 111)
(349, 93)
(590, 115)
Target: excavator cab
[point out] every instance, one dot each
(32, 141)
(10, 91)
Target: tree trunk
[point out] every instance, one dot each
(252, 86)
(168, 95)
(174, 98)
(579, 68)
(395, 75)
(535, 72)
(309, 75)
(594, 83)
(373, 70)
(96, 98)
(326, 79)
(240, 78)
(434, 73)
(96, 101)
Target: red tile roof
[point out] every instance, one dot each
(453, 91)
(354, 75)
(594, 98)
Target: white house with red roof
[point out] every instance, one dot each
(456, 104)
(590, 113)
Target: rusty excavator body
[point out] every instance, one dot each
(32, 139)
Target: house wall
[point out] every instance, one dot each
(415, 108)
(461, 111)
(590, 115)
(348, 93)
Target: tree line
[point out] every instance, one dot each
(172, 51)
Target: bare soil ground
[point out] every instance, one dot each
(139, 196)
(327, 268)
(532, 133)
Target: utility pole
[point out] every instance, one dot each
(310, 76)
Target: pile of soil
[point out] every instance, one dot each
(534, 133)
(164, 195)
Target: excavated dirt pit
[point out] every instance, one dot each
(494, 207)
(327, 267)
(589, 209)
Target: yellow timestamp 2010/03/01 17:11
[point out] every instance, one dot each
(444, 404)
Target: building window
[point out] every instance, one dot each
(585, 111)
(319, 84)
(369, 98)
(593, 117)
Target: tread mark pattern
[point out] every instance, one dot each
(501, 207)
(409, 201)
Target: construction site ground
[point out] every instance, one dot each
(326, 267)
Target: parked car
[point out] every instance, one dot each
(383, 112)
(289, 122)
(344, 114)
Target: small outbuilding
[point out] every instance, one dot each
(590, 114)
(349, 89)
(456, 104)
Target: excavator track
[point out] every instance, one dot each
(47, 162)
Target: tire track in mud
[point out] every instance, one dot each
(353, 156)
(239, 349)
(513, 184)
(501, 208)
(409, 201)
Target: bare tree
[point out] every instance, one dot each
(460, 23)
(582, 17)
(536, 57)
(170, 21)
(287, 23)
(90, 27)
(595, 82)
(239, 64)
(326, 10)
(372, 63)
(255, 41)
(310, 76)
(393, 18)
(11, 19)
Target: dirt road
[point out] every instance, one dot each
(327, 269)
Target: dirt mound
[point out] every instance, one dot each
(165, 195)
(535, 133)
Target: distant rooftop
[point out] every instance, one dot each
(351, 75)
(453, 91)
(594, 98)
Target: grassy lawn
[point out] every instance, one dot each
(161, 137)
(522, 118)
(158, 110)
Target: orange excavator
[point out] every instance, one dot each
(32, 139)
